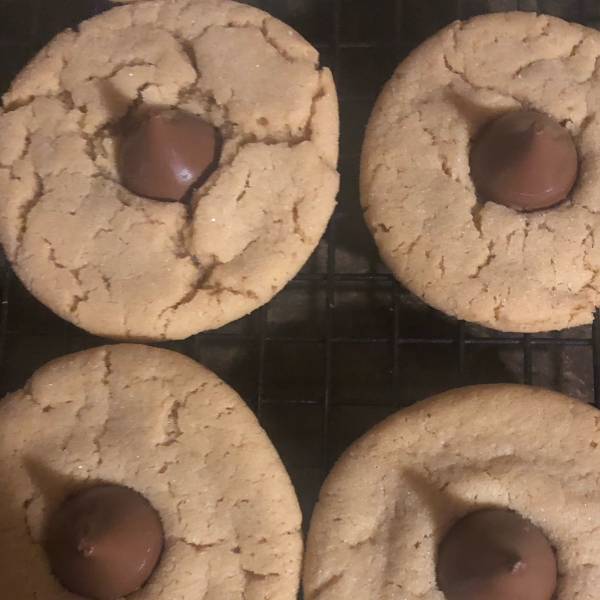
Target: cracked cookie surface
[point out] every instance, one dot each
(127, 267)
(395, 493)
(487, 263)
(161, 424)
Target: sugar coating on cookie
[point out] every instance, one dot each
(128, 267)
(487, 263)
(395, 493)
(161, 424)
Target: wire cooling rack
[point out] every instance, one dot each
(343, 345)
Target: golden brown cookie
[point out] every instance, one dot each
(159, 423)
(128, 267)
(486, 263)
(395, 493)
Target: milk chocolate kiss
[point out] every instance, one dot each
(495, 554)
(167, 154)
(524, 160)
(104, 542)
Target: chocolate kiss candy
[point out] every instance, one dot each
(524, 160)
(167, 154)
(495, 554)
(104, 542)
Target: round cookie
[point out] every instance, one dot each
(486, 263)
(395, 493)
(157, 422)
(128, 267)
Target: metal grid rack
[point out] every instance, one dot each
(343, 345)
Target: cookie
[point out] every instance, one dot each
(395, 493)
(484, 262)
(161, 424)
(129, 267)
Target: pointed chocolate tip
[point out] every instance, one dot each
(517, 565)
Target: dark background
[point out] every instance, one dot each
(343, 345)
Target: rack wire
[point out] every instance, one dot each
(344, 345)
